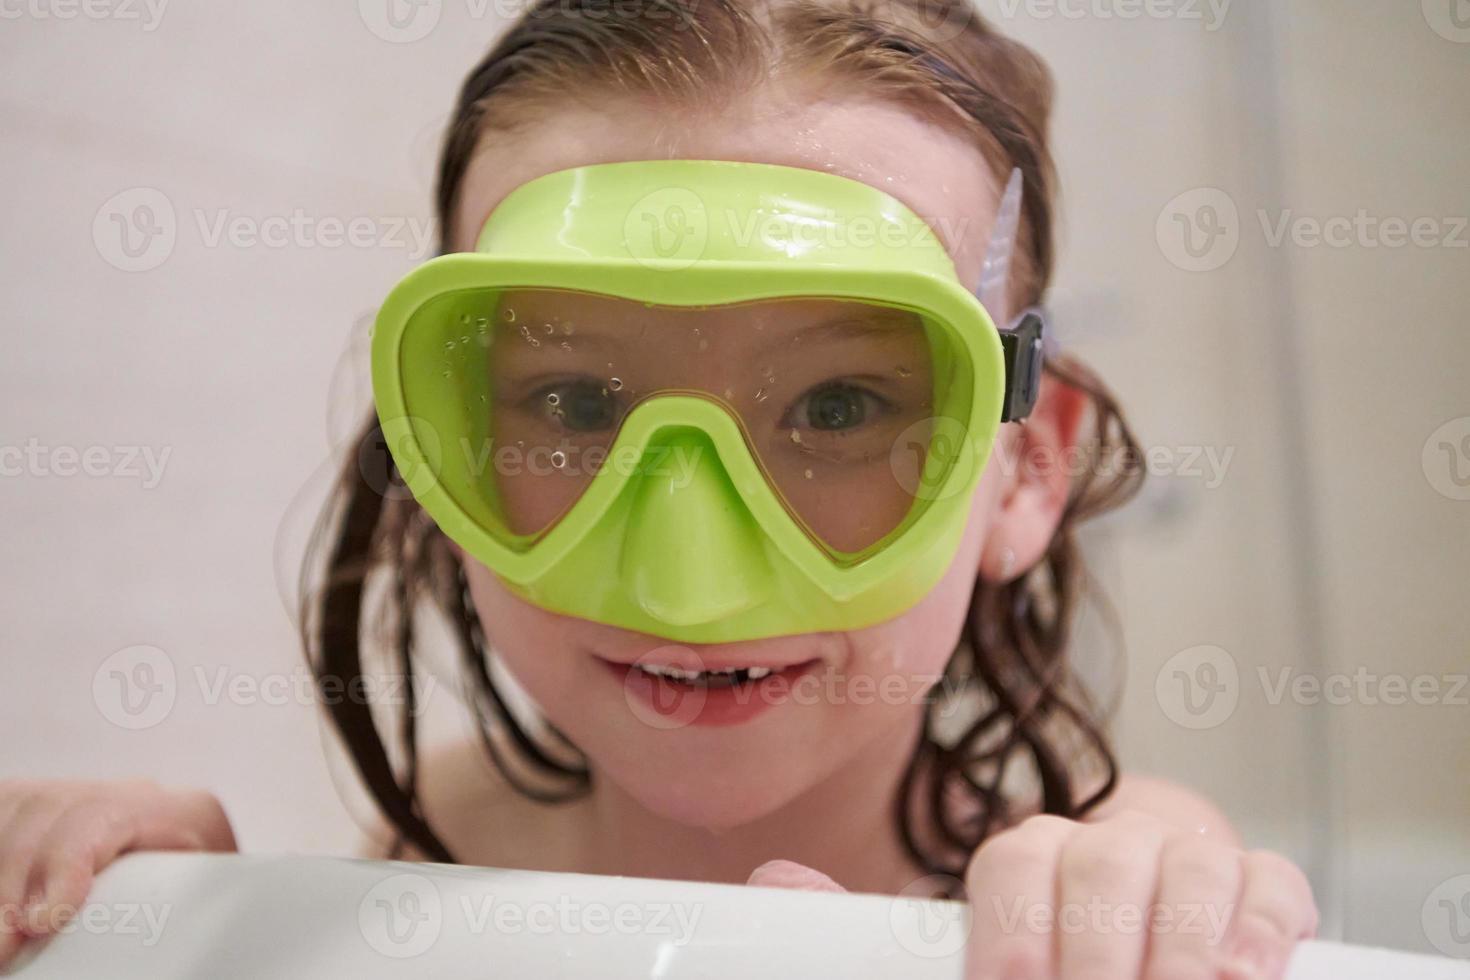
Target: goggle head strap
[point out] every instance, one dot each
(1022, 341)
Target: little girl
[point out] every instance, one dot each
(700, 427)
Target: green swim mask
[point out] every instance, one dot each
(705, 400)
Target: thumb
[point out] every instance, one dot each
(789, 874)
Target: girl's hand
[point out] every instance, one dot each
(1131, 896)
(55, 836)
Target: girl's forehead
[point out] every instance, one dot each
(934, 170)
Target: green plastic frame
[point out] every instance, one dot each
(734, 564)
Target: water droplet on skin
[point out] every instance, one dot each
(559, 459)
(616, 384)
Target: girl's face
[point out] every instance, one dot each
(861, 691)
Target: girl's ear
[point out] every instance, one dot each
(1044, 456)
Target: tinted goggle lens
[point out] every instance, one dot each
(850, 407)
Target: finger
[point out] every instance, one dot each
(789, 874)
(20, 848)
(22, 834)
(1199, 889)
(1276, 910)
(1106, 877)
(1012, 885)
(80, 842)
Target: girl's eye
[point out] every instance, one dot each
(582, 405)
(836, 406)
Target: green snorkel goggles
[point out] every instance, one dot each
(704, 400)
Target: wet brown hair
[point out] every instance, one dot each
(378, 563)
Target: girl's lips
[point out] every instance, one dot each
(667, 703)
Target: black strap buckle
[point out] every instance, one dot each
(1022, 349)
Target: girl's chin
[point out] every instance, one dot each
(708, 800)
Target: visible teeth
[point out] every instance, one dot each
(676, 673)
(732, 674)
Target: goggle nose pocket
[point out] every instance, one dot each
(692, 552)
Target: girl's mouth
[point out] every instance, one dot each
(667, 696)
(707, 678)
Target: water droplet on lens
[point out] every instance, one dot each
(510, 316)
(553, 399)
(464, 319)
(808, 474)
(616, 384)
(559, 459)
(904, 372)
(760, 394)
(448, 346)
(566, 345)
(795, 436)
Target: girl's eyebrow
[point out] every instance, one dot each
(847, 327)
(842, 327)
